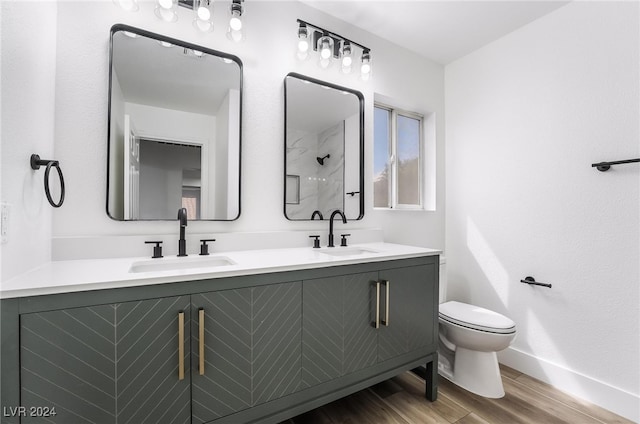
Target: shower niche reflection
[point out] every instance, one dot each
(323, 149)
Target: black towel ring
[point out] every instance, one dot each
(36, 163)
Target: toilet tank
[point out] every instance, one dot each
(442, 297)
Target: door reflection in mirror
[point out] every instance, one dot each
(174, 129)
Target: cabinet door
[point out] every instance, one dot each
(149, 388)
(276, 349)
(411, 301)
(68, 362)
(106, 364)
(251, 348)
(337, 336)
(223, 385)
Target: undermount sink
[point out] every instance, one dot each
(180, 264)
(347, 251)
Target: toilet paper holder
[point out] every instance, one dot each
(533, 282)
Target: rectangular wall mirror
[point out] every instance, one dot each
(175, 116)
(324, 149)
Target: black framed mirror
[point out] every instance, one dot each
(324, 149)
(174, 133)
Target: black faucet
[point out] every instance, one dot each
(344, 221)
(182, 243)
(318, 214)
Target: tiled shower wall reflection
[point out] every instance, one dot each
(321, 186)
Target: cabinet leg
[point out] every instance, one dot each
(431, 379)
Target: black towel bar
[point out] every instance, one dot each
(532, 281)
(36, 163)
(604, 166)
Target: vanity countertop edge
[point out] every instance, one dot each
(98, 274)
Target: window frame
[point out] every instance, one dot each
(392, 158)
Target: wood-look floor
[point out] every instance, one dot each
(401, 401)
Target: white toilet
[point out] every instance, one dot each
(470, 336)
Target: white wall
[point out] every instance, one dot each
(526, 117)
(81, 102)
(28, 73)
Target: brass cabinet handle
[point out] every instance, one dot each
(385, 322)
(376, 323)
(201, 341)
(181, 346)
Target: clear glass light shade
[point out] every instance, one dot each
(325, 46)
(347, 58)
(365, 66)
(203, 20)
(234, 32)
(128, 5)
(167, 10)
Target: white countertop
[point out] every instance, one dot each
(97, 274)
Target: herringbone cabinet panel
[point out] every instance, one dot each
(106, 364)
(337, 336)
(148, 388)
(252, 348)
(68, 362)
(225, 386)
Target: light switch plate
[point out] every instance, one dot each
(5, 214)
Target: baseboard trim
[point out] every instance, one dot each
(616, 400)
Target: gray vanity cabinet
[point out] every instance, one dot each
(244, 349)
(251, 348)
(115, 363)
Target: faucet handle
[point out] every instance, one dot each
(343, 242)
(316, 242)
(157, 249)
(204, 247)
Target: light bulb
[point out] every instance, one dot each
(166, 4)
(365, 68)
(235, 23)
(204, 13)
(347, 60)
(325, 51)
(303, 45)
(198, 53)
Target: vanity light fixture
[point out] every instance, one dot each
(167, 10)
(331, 47)
(234, 32)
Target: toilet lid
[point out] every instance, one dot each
(476, 318)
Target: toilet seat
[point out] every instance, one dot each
(476, 318)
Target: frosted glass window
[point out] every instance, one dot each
(397, 159)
